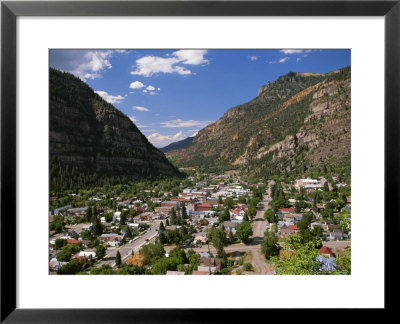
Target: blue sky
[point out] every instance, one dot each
(172, 94)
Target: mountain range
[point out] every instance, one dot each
(177, 145)
(298, 123)
(93, 143)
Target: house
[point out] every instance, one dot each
(325, 251)
(62, 210)
(181, 200)
(77, 211)
(87, 254)
(237, 213)
(230, 226)
(286, 210)
(284, 231)
(87, 227)
(163, 210)
(202, 238)
(197, 272)
(213, 265)
(179, 273)
(307, 183)
(294, 228)
(333, 227)
(171, 204)
(54, 264)
(336, 234)
(203, 207)
(314, 224)
(72, 241)
(115, 241)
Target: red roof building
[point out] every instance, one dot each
(286, 210)
(180, 199)
(326, 251)
(202, 207)
(293, 227)
(72, 241)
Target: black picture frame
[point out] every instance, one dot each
(10, 10)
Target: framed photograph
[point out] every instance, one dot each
(224, 141)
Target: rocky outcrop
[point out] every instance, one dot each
(298, 121)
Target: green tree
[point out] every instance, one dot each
(269, 245)
(218, 238)
(173, 217)
(225, 216)
(118, 259)
(71, 267)
(97, 227)
(297, 207)
(252, 212)
(161, 228)
(57, 224)
(343, 262)
(244, 231)
(317, 231)
(269, 215)
(183, 211)
(100, 252)
(302, 259)
(150, 251)
(88, 215)
(229, 203)
(105, 269)
(59, 244)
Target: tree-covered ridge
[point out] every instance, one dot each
(93, 143)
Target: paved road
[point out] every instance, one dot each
(126, 250)
(259, 227)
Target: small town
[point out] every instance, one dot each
(205, 225)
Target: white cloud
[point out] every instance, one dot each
(158, 89)
(144, 91)
(292, 51)
(110, 98)
(133, 119)
(136, 85)
(149, 65)
(283, 60)
(253, 58)
(298, 59)
(295, 51)
(185, 123)
(150, 88)
(152, 93)
(140, 108)
(192, 57)
(120, 51)
(160, 140)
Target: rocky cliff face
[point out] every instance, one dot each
(90, 140)
(295, 124)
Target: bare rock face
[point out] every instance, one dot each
(88, 136)
(297, 122)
